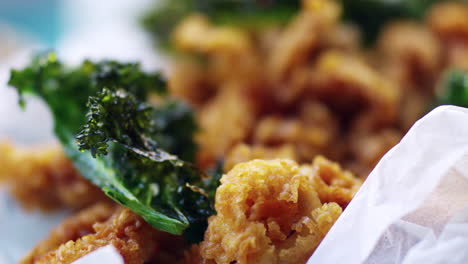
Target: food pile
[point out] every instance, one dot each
(270, 119)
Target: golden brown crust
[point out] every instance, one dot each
(135, 240)
(270, 212)
(229, 104)
(72, 228)
(44, 178)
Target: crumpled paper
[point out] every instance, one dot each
(413, 207)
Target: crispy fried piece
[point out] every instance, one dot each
(267, 212)
(190, 82)
(302, 36)
(136, 241)
(227, 48)
(331, 182)
(311, 131)
(343, 37)
(196, 34)
(449, 20)
(243, 153)
(44, 178)
(412, 54)
(71, 228)
(349, 83)
(217, 135)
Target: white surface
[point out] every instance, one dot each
(413, 208)
(106, 254)
(20, 231)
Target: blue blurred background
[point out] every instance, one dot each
(40, 19)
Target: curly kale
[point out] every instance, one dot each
(137, 153)
(161, 20)
(132, 137)
(66, 90)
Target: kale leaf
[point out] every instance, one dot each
(66, 90)
(134, 147)
(454, 89)
(161, 20)
(128, 132)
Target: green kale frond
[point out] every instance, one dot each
(139, 154)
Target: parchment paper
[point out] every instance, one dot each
(413, 208)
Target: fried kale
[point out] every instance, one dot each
(138, 153)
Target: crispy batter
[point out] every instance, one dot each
(254, 87)
(331, 182)
(412, 54)
(350, 83)
(449, 20)
(229, 104)
(44, 178)
(270, 212)
(136, 241)
(243, 153)
(302, 36)
(71, 228)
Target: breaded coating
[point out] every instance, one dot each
(351, 84)
(71, 228)
(311, 131)
(449, 20)
(216, 136)
(267, 212)
(331, 182)
(303, 84)
(243, 153)
(302, 36)
(412, 53)
(135, 240)
(44, 178)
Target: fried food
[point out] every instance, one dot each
(135, 240)
(71, 228)
(43, 178)
(229, 104)
(243, 153)
(275, 211)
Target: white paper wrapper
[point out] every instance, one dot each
(106, 254)
(413, 207)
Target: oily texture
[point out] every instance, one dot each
(72, 228)
(275, 211)
(43, 178)
(135, 240)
